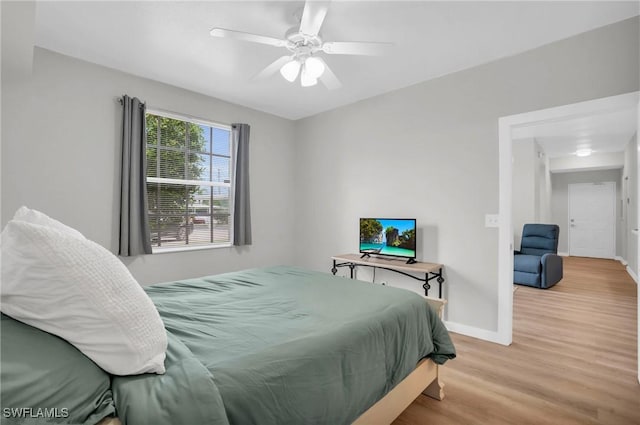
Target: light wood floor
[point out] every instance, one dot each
(572, 361)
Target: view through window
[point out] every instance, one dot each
(188, 182)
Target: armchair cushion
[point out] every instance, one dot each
(539, 239)
(527, 263)
(524, 278)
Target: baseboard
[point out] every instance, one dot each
(617, 258)
(622, 260)
(483, 334)
(632, 274)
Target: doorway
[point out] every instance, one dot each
(592, 220)
(506, 126)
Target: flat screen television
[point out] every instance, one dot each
(394, 237)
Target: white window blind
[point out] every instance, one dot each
(188, 182)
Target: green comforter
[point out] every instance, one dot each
(279, 345)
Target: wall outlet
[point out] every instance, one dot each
(491, 220)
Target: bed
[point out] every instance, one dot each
(284, 345)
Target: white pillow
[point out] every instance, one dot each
(36, 217)
(74, 288)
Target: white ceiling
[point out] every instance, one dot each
(170, 42)
(606, 132)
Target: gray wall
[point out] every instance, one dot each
(543, 186)
(430, 151)
(630, 173)
(531, 187)
(523, 187)
(60, 153)
(560, 202)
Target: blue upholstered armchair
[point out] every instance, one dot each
(538, 263)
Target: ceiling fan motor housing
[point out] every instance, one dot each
(302, 45)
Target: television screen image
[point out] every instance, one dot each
(388, 236)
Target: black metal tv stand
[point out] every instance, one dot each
(430, 271)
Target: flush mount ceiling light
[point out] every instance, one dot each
(305, 45)
(584, 152)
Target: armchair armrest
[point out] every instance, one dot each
(551, 270)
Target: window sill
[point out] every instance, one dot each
(188, 248)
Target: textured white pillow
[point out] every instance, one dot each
(36, 217)
(74, 288)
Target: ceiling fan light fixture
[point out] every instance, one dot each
(290, 70)
(307, 80)
(314, 67)
(303, 43)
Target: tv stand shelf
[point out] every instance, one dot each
(430, 271)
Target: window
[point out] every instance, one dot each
(188, 182)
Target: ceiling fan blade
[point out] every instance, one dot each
(273, 68)
(245, 36)
(365, 48)
(313, 16)
(328, 78)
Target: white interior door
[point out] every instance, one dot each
(592, 219)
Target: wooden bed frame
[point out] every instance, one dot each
(425, 379)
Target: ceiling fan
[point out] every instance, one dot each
(305, 45)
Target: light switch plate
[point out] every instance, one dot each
(491, 220)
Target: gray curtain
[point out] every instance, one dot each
(241, 206)
(135, 237)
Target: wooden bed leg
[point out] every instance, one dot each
(435, 389)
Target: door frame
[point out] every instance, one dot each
(505, 227)
(615, 206)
